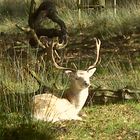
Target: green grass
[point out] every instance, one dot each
(108, 122)
(105, 25)
(116, 75)
(120, 121)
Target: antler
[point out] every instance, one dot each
(98, 44)
(61, 45)
(53, 59)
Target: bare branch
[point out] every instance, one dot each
(31, 11)
(26, 30)
(32, 33)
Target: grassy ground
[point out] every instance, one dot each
(118, 122)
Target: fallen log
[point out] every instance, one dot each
(102, 95)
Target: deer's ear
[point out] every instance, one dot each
(91, 71)
(68, 72)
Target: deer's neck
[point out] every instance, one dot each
(77, 97)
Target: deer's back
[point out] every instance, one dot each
(51, 108)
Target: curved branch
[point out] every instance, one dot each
(32, 33)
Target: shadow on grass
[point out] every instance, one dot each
(25, 132)
(14, 126)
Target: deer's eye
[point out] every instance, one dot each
(76, 78)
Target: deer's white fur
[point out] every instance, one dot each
(48, 107)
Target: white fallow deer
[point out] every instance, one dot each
(48, 107)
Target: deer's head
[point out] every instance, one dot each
(80, 78)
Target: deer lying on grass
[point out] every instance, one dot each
(48, 107)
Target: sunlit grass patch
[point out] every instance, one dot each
(117, 73)
(111, 119)
(8, 24)
(103, 24)
(104, 123)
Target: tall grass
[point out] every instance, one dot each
(117, 75)
(13, 8)
(103, 24)
(17, 89)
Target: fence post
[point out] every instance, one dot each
(79, 9)
(115, 6)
